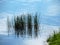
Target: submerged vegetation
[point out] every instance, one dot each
(55, 39)
(23, 21)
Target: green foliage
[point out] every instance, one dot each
(24, 25)
(20, 25)
(29, 25)
(55, 39)
(35, 26)
(8, 25)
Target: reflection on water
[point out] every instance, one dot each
(44, 32)
(23, 25)
(26, 26)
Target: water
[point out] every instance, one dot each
(45, 31)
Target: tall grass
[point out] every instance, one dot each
(54, 39)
